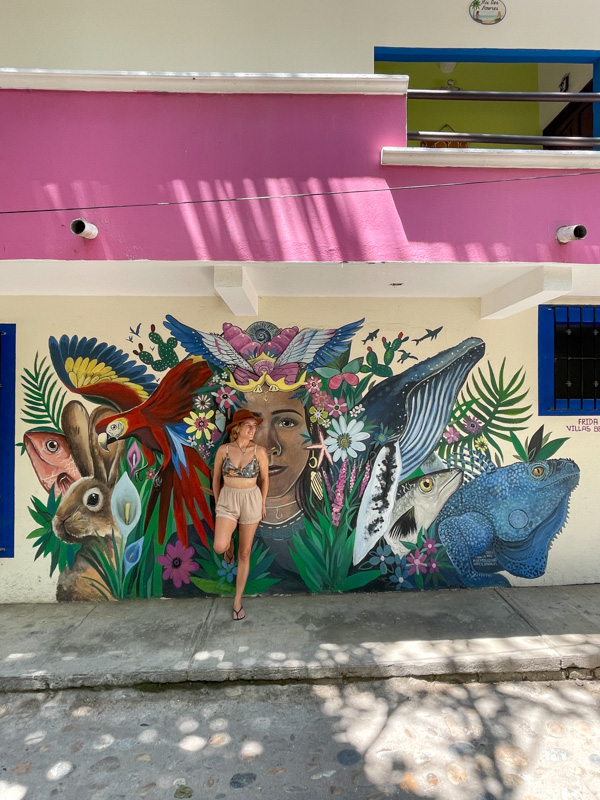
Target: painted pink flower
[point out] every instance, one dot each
(365, 480)
(313, 385)
(336, 406)
(451, 435)
(337, 380)
(472, 425)
(417, 561)
(430, 545)
(433, 567)
(178, 564)
(320, 399)
(226, 398)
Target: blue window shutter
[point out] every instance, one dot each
(7, 440)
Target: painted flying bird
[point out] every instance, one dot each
(158, 426)
(404, 356)
(100, 372)
(371, 336)
(105, 375)
(136, 331)
(429, 335)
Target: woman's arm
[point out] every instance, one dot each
(263, 463)
(216, 481)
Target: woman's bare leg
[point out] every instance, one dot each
(224, 528)
(244, 549)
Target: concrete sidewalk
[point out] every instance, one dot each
(460, 634)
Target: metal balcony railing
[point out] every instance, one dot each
(570, 142)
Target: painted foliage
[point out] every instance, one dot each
(388, 471)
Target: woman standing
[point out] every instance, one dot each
(240, 501)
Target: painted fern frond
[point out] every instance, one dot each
(43, 399)
(499, 405)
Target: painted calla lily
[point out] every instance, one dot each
(134, 456)
(125, 505)
(132, 554)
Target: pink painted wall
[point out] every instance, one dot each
(73, 149)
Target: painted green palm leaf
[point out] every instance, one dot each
(496, 404)
(62, 555)
(43, 400)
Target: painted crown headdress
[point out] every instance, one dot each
(263, 354)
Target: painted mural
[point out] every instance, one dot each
(388, 470)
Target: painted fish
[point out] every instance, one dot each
(51, 459)
(417, 504)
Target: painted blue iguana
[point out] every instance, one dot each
(506, 519)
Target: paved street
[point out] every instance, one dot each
(400, 738)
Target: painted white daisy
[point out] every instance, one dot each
(202, 402)
(346, 438)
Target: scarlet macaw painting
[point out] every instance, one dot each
(386, 462)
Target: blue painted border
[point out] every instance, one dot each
(546, 361)
(7, 440)
(492, 56)
(548, 406)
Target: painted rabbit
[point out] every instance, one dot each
(84, 513)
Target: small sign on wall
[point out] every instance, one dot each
(487, 12)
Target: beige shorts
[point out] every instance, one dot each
(242, 505)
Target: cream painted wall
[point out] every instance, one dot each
(573, 558)
(269, 35)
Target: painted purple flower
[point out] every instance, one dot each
(336, 406)
(338, 499)
(472, 425)
(365, 480)
(430, 546)
(353, 472)
(433, 566)
(178, 564)
(451, 435)
(328, 486)
(417, 561)
(134, 456)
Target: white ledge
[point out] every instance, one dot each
(472, 157)
(202, 82)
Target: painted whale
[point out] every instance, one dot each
(416, 405)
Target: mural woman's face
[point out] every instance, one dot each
(283, 435)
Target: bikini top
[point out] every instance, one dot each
(251, 470)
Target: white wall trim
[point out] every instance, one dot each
(286, 279)
(234, 286)
(472, 157)
(542, 285)
(202, 82)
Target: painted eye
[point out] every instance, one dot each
(52, 446)
(426, 484)
(537, 472)
(92, 499)
(287, 423)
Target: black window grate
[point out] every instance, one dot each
(569, 359)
